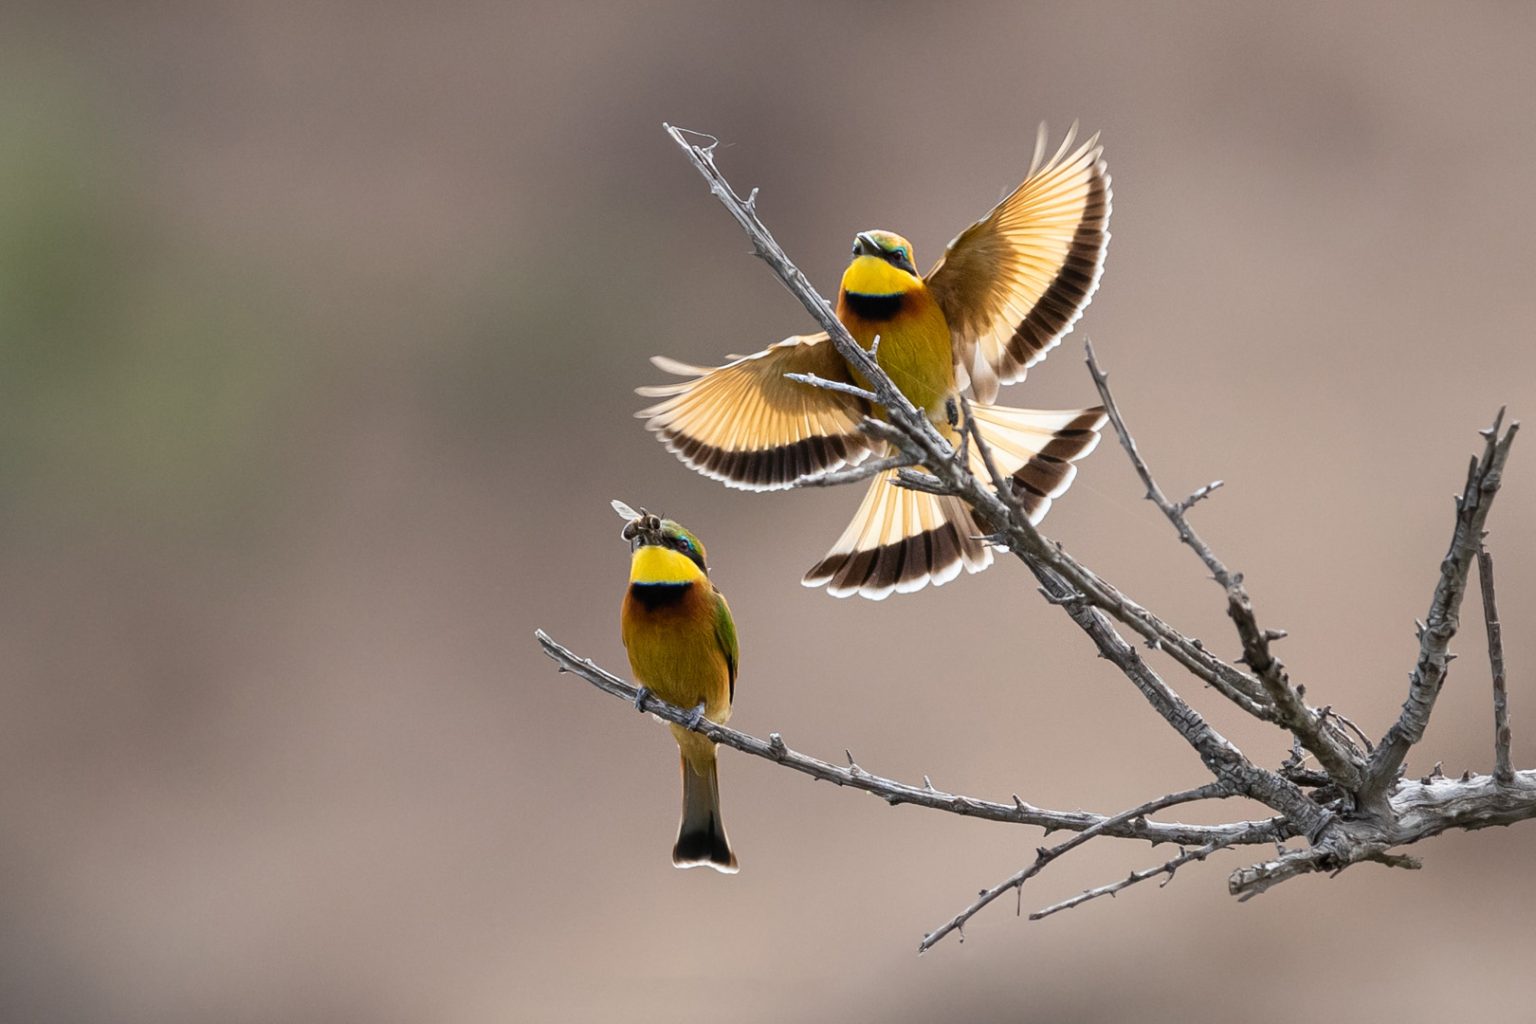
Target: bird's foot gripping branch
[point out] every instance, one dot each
(1339, 799)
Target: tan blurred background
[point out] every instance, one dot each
(318, 329)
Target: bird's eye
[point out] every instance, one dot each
(901, 254)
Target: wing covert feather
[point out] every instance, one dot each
(747, 426)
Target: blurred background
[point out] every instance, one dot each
(318, 330)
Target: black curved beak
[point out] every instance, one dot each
(865, 245)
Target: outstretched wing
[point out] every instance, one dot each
(744, 424)
(1012, 284)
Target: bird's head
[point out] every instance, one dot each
(882, 264)
(661, 548)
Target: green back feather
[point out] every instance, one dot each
(725, 633)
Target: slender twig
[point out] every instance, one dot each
(1237, 686)
(1129, 880)
(1199, 495)
(1245, 833)
(1333, 750)
(860, 472)
(841, 387)
(1044, 855)
(1483, 478)
(1502, 772)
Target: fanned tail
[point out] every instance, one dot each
(901, 540)
(1037, 448)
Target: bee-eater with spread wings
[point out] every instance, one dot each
(1004, 293)
(681, 641)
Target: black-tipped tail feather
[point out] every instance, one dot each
(701, 839)
(899, 541)
(1037, 450)
(902, 540)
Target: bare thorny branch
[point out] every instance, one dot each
(1333, 750)
(851, 775)
(1043, 856)
(1355, 808)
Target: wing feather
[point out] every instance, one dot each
(746, 425)
(1013, 284)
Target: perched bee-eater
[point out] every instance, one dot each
(1004, 293)
(681, 641)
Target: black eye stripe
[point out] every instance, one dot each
(687, 548)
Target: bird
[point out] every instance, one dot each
(1004, 293)
(681, 640)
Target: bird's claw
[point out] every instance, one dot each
(695, 716)
(952, 411)
(641, 696)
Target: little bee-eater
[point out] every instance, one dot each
(1004, 293)
(681, 641)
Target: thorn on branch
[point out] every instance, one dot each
(1396, 860)
(917, 480)
(1071, 599)
(1197, 496)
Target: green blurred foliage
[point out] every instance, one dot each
(138, 376)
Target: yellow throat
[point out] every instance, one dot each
(656, 564)
(870, 275)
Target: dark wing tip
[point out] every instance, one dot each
(767, 469)
(1063, 301)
